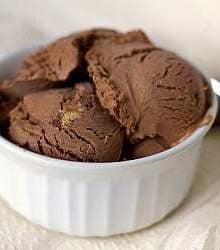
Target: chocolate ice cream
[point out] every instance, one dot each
(11, 92)
(147, 147)
(67, 124)
(150, 91)
(140, 99)
(61, 58)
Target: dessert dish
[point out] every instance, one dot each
(140, 99)
(88, 174)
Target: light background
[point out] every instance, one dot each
(189, 27)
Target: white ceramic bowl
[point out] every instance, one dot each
(96, 199)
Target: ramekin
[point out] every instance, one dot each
(96, 199)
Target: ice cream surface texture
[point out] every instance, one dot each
(68, 124)
(102, 95)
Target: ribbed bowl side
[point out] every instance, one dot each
(99, 204)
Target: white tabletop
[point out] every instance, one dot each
(189, 27)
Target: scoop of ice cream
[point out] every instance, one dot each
(61, 58)
(150, 91)
(67, 124)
